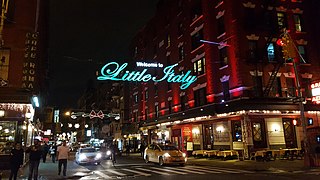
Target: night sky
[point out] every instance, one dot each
(86, 33)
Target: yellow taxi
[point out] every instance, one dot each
(164, 154)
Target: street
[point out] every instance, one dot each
(133, 166)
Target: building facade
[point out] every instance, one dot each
(23, 68)
(246, 95)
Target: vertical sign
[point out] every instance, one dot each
(29, 66)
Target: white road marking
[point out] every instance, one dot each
(186, 170)
(202, 170)
(115, 172)
(168, 170)
(149, 170)
(137, 172)
(102, 175)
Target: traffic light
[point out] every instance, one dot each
(288, 47)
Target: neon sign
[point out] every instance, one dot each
(315, 89)
(112, 71)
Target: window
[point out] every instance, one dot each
(269, 21)
(223, 56)
(282, 20)
(257, 132)
(302, 52)
(168, 60)
(200, 97)
(169, 86)
(135, 116)
(250, 20)
(291, 88)
(9, 10)
(252, 47)
(306, 87)
(297, 22)
(154, 50)
(168, 40)
(136, 98)
(195, 39)
(225, 89)
(181, 53)
(135, 51)
(146, 114)
(196, 11)
(271, 52)
(183, 103)
(220, 25)
(170, 107)
(180, 29)
(258, 85)
(155, 90)
(199, 66)
(146, 94)
(156, 109)
(237, 131)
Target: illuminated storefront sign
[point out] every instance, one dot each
(315, 89)
(113, 71)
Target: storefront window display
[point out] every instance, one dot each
(7, 136)
(196, 137)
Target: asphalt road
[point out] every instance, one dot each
(133, 167)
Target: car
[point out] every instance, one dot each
(88, 155)
(164, 154)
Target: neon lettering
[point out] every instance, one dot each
(112, 71)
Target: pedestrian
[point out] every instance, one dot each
(62, 154)
(45, 150)
(127, 149)
(16, 160)
(53, 152)
(142, 147)
(35, 153)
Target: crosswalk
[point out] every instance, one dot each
(137, 171)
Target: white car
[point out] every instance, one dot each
(88, 155)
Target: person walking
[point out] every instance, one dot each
(62, 154)
(16, 161)
(45, 150)
(53, 152)
(142, 147)
(35, 153)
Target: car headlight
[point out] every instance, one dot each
(184, 155)
(98, 156)
(82, 157)
(108, 153)
(166, 155)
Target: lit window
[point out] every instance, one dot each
(271, 52)
(168, 40)
(282, 22)
(223, 57)
(156, 108)
(181, 53)
(297, 22)
(199, 66)
(302, 52)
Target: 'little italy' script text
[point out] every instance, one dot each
(112, 71)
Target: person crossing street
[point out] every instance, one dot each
(62, 156)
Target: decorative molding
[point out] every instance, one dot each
(168, 53)
(297, 11)
(182, 93)
(289, 75)
(278, 74)
(302, 42)
(272, 40)
(306, 76)
(270, 8)
(161, 43)
(253, 37)
(198, 56)
(196, 29)
(181, 68)
(156, 103)
(254, 73)
(170, 98)
(249, 5)
(281, 9)
(180, 44)
(220, 14)
(199, 86)
(135, 93)
(225, 78)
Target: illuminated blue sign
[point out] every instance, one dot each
(112, 71)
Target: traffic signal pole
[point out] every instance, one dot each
(307, 162)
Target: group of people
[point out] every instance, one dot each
(36, 152)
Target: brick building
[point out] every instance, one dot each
(23, 68)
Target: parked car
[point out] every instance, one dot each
(164, 154)
(88, 155)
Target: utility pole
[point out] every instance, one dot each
(290, 51)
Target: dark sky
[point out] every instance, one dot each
(86, 32)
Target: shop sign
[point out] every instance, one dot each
(29, 66)
(113, 71)
(315, 89)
